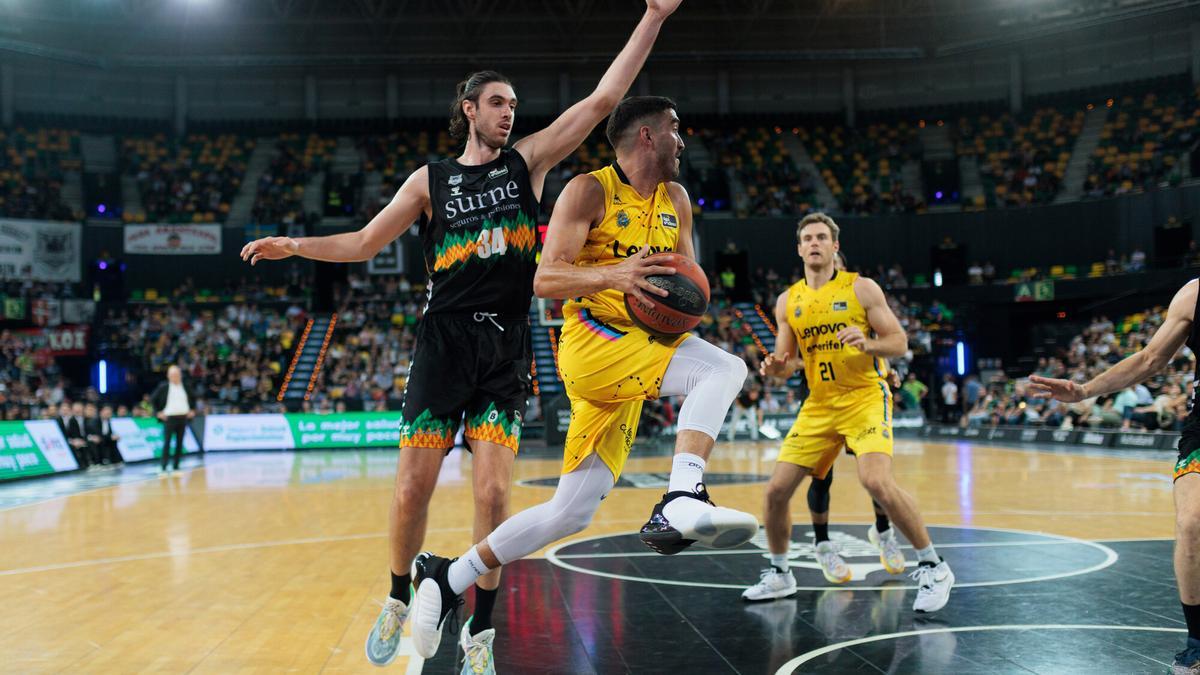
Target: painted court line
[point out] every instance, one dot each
(791, 666)
(553, 556)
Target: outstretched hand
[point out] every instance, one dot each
(269, 248)
(663, 7)
(773, 366)
(1059, 390)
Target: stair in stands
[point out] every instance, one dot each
(758, 317)
(301, 378)
(1081, 155)
(804, 161)
(243, 202)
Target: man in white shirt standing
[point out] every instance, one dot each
(173, 407)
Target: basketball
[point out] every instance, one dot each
(678, 312)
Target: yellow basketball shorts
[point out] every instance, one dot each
(609, 370)
(860, 419)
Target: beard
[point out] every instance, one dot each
(668, 167)
(495, 142)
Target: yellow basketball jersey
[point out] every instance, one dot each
(815, 317)
(631, 223)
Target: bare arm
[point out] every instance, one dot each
(890, 340)
(394, 220)
(784, 360)
(1167, 340)
(551, 145)
(579, 207)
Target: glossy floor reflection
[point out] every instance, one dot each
(269, 562)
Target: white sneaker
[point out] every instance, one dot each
(694, 519)
(889, 549)
(835, 569)
(772, 585)
(933, 586)
(478, 658)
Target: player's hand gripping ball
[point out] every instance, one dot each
(685, 302)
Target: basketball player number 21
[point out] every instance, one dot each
(491, 241)
(827, 372)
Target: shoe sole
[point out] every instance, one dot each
(392, 658)
(728, 529)
(944, 600)
(428, 595)
(834, 580)
(773, 595)
(665, 543)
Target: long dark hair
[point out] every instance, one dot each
(469, 90)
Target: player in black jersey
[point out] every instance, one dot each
(1179, 328)
(471, 363)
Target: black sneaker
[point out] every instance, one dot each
(713, 527)
(432, 602)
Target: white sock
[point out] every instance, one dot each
(686, 470)
(780, 562)
(927, 554)
(465, 570)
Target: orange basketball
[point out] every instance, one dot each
(687, 299)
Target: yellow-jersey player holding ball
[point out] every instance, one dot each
(841, 328)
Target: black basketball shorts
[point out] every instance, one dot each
(471, 369)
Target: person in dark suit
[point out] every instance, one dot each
(174, 405)
(101, 437)
(71, 420)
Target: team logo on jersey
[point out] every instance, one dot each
(669, 220)
(617, 199)
(622, 219)
(496, 173)
(797, 313)
(839, 307)
(455, 180)
(456, 191)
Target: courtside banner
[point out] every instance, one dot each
(141, 438)
(173, 239)
(302, 431)
(33, 449)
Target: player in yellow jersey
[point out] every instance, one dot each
(842, 327)
(603, 228)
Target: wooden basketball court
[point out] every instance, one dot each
(273, 562)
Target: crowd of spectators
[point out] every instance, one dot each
(1023, 158)
(189, 180)
(279, 198)
(33, 167)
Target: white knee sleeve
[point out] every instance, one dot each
(710, 378)
(568, 511)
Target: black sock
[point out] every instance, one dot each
(481, 620)
(401, 587)
(821, 532)
(881, 520)
(1191, 613)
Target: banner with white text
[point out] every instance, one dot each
(302, 431)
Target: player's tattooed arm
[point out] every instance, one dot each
(546, 148)
(394, 220)
(579, 208)
(1167, 340)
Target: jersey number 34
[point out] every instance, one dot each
(491, 242)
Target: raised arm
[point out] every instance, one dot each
(1167, 340)
(551, 145)
(890, 341)
(394, 220)
(579, 207)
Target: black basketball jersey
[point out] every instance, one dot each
(481, 244)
